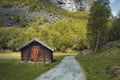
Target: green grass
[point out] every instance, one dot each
(95, 66)
(13, 69)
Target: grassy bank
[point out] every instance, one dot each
(96, 66)
(13, 69)
(17, 55)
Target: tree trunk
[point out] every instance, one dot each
(97, 42)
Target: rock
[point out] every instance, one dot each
(115, 70)
(74, 5)
(110, 45)
(7, 15)
(66, 4)
(86, 52)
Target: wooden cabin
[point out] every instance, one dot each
(36, 51)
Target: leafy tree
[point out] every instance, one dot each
(3, 37)
(1, 23)
(24, 22)
(32, 7)
(115, 31)
(16, 19)
(97, 24)
(6, 35)
(104, 2)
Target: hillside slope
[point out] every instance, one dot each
(57, 27)
(74, 5)
(14, 13)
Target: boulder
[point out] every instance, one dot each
(73, 5)
(114, 70)
(86, 52)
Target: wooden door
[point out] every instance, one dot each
(35, 53)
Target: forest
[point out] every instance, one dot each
(69, 33)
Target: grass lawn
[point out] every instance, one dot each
(65, 53)
(95, 66)
(11, 67)
(17, 55)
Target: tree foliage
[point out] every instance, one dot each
(104, 2)
(1, 23)
(64, 34)
(24, 22)
(97, 24)
(115, 30)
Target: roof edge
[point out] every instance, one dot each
(35, 39)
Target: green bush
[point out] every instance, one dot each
(24, 22)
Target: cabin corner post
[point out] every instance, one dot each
(21, 56)
(51, 56)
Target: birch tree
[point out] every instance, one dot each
(97, 24)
